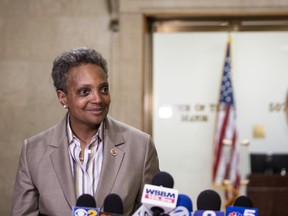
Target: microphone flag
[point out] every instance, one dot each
(162, 197)
(180, 211)
(85, 211)
(143, 211)
(208, 213)
(241, 211)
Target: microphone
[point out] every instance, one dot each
(242, 206)
(209, 204)
(113, 205)
(184, 206)
(143, 211)
(179, 211)
(158, 197)
(209, 200)
(85, 205)
(243, 201)
(163, 179)
(86, 200)
(185, 201)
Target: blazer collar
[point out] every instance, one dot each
(61, 162)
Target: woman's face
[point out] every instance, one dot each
(87, 97)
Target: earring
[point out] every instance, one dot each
(65, 106)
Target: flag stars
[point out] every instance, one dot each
(227, 84)
(227, 68)
(226, 87)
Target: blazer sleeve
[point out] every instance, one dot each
(25, 195)
(151, 167)
(151, 162)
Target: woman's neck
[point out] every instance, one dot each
(84, 133)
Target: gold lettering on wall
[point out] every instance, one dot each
(193, 118)
(199, 112)
(277, 107)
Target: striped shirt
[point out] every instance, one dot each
(86, 174)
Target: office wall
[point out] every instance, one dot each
(33, 32)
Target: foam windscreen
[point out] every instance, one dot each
(113, 204)
(86, 200)
(163, 179)
(243, 201)
(209, 200)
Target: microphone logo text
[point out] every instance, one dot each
(158, 195)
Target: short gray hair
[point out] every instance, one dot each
(73, 58)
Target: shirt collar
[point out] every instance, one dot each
(71, 136)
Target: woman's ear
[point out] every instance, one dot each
(62, 98)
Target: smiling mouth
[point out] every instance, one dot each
(97, 111)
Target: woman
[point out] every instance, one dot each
(88, 151)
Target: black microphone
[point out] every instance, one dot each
(242, 206)
(208, 201)
(86, 200)
(113, 204)
(85, 205)
(158, 198)
(163, 179)
(243, 201)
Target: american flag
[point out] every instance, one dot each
(226, 148)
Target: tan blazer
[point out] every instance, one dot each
(44, 182)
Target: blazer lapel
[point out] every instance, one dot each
(113, 158)
(61, 162)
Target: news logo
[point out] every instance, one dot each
(159, 195)
(163, 197)
(180, 211)
(142, 211)
(234, 214)
(240, 211)
(208, 213)
(85, 211)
